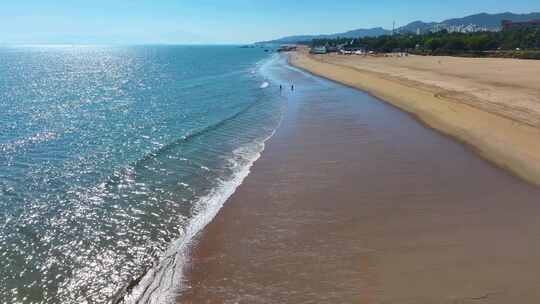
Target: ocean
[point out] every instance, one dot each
(112, 159)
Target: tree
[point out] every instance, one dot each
(433, 43)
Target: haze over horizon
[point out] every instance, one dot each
(216, 22)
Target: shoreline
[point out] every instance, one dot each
(508, 141)
(160, 283)
(354, 201)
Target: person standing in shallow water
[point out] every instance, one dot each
(292, 87)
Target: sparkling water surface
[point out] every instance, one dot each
(107, 153)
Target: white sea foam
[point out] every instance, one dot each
(162, 283)
(265, 85)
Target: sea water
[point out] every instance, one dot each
(113, 158)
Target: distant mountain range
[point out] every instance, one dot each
(483, 21)
(373, 32)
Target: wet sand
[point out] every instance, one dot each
(491, 104)
(354, 201)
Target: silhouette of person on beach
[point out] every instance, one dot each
(280, 88)
(292, 87)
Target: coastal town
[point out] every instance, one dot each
(511, 39)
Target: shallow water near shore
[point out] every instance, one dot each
(112, 158)
(354, 201)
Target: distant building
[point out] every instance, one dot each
(319, 50)
(287, 48)
(353, 50)
(507, 24)
(461, 28)
(332, 49)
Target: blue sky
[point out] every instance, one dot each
(219, 21)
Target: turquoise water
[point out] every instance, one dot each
(113, 158)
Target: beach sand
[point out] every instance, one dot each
(490, 104)
(354, 201)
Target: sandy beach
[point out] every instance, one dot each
(354, 201)
(490, 104)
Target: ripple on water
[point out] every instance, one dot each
(109, 156)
